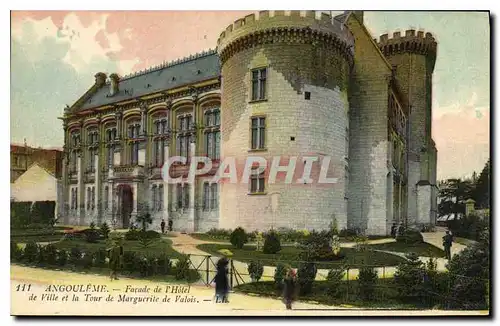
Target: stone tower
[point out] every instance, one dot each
(413, 57)
(291, 70)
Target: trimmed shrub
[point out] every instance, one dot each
(87, 260)
(348, 233)
(62, 258)
(30, 252)
(306, 276)
(238, 238)
(255, 270)
(221, 234)
(409, 279)
(334, 279)
(469, 274)
(272, 243)
(75, 256)
(100, 257)
(279, 274)
(182, 268)
(130, 261)
(50, 253)
(367, 280)
(16, 253)
(105, 230)
(132, 235)
(153, 234)
(164, 265)
(20, 214)
(410, 237)
(43, 212)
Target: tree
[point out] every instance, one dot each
(454, 193)
(482, 187)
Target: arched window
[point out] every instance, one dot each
(160, 132)
(134, 129)
(212, 133)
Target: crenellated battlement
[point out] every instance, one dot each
(413, 41)
(283, 26)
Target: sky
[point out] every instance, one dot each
(55, 55)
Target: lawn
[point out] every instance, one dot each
(38, 235)
(385, 295)
(421, 249)
(156, 247)
(289, 255)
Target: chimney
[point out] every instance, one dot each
(100, 79)
(115, 79)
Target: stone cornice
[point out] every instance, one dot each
(287, 35)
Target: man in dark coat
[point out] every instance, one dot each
(162, 225)
(393, 230)
(115, 254)
(221, 281)
(447, 242)
(170, 223)
(290, 285)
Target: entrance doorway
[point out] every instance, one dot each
(126, 204)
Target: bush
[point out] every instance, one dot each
(238, 238)
(62, 258)
(87, 260)
(153, 234)
(306, 276)
(31, 252)
(410, 237)
(469, 227)
(280, 273)
(334, 279)
(132, 235)
(20, 214)
(348, 233)
(91, 235)
(255, 270)
(100, 257)
(367, 280)
(43, 212)
(75, 256)
(130, 261)
(164, 265)
(219, 234)
(50, 253)
(182, 268)
(272, 243)
(16, 253)
(409, 279)
(105, 230)
(469, 274)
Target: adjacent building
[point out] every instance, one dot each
(289, 84)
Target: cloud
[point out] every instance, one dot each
(462, 136)
(51, 67)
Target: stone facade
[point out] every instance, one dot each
(288, 84)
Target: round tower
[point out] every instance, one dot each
(413, 57)
(284, 94)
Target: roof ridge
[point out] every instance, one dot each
(166, 64)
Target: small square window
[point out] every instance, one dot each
(307, 95)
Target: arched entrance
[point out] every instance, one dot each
(126, 199)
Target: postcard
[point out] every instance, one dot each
(233, 163)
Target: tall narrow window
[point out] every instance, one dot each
(206, 196)
(179, 195)
(110, 146)
(214, 196)
(185, 136)
(133, 134)
(72, 205)
(258, 132)
(259, 77)
(186, 195)
(106, 197)
(159, 140)
(257, 183)
(88, 198)
(153, 197)
(160, 197)
(212, 134)
(92, 205)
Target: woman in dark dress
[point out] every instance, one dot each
(290, 285)
(221, 281)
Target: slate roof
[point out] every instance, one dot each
(178, 73)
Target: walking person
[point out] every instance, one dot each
(393, 230)
(170, 223)
(290, 286)
(447, 242)
(222, 281)
(162, 225)
(115, 254)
